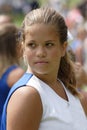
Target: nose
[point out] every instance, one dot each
(41, 51)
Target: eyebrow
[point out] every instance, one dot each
(50, 41)
(33, 41)
(45, 41)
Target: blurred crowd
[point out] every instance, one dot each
(18, 6)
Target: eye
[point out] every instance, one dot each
(31, 45)
(49, 44)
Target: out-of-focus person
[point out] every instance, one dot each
(10, 68)
(4, 18)
(81, 78)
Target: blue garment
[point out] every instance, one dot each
(21, 82)
(4, 88)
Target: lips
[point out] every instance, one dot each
(41, 62)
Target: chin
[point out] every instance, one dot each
(41, 73)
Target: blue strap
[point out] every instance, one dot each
(20, 83)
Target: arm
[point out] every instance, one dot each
(24, 110)
(81, 75)
(14, 76)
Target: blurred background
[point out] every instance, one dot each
(18, 8)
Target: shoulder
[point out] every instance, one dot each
(14, 76)
(24, 105)
(25, 94)
(17, 71)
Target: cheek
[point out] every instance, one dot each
(55, 54)
(28, 53)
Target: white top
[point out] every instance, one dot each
(58, 114)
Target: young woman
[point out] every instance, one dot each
(10, 70)
(45, 98)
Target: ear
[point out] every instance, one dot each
(64, 46)
(23, 47)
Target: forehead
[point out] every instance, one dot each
(39, 26)
(41, 30)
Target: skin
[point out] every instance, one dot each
(43, 51)
(17, 73)
(81, 77)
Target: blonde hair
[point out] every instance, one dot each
(47, 15)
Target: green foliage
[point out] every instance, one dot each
(18, 18)
(74, 3)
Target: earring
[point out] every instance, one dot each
(25, 60)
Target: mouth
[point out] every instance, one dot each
(41, 62)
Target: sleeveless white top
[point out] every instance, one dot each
(58, 114)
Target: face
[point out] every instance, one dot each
(43, 49)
